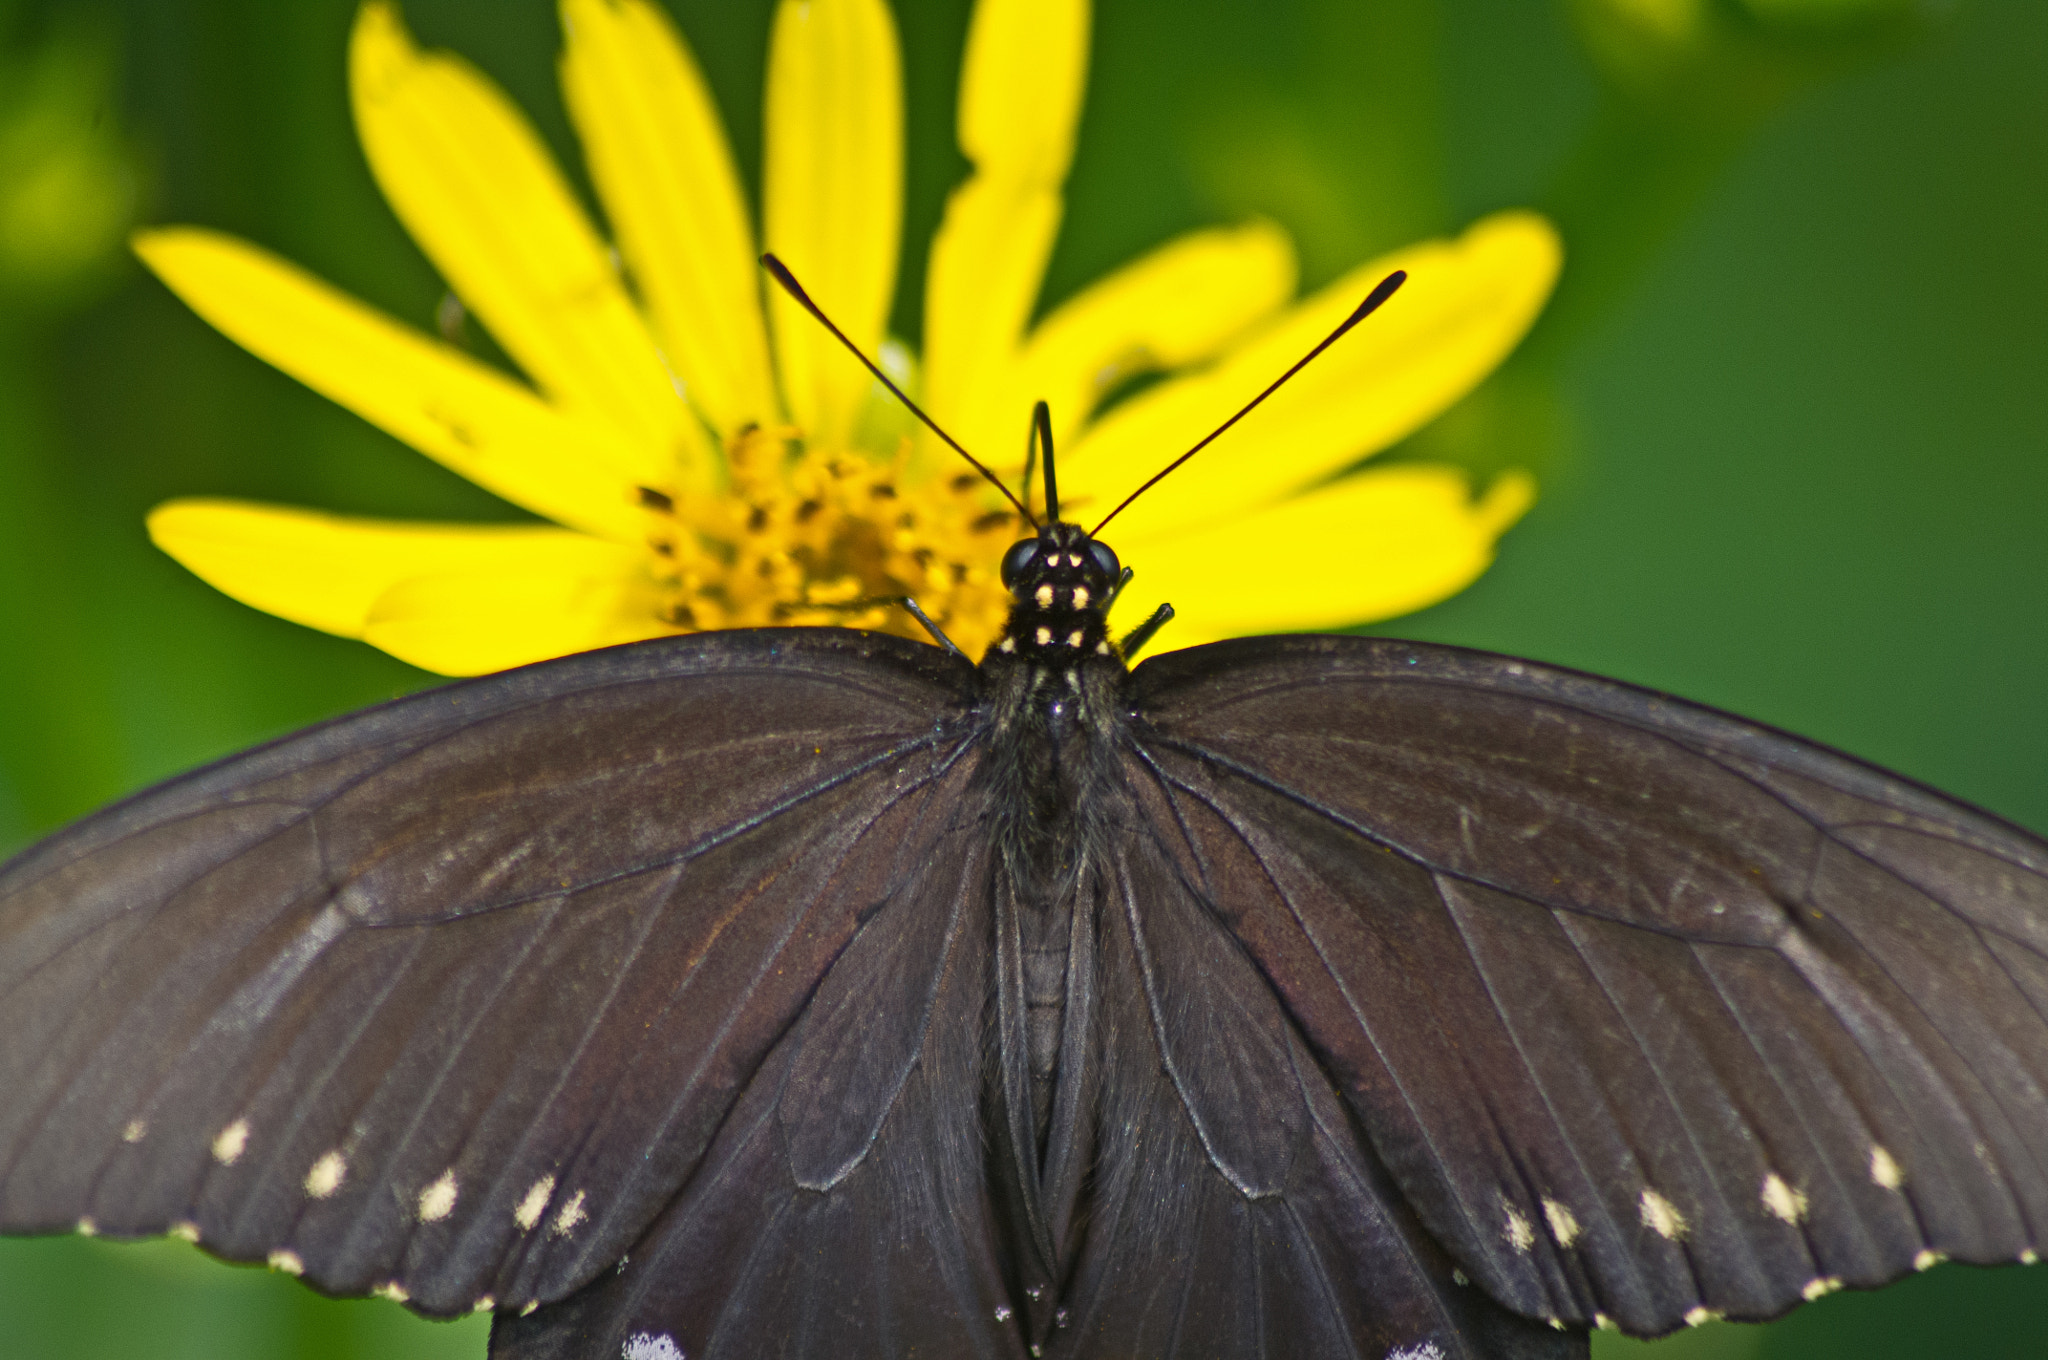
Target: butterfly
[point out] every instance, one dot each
(806, 993)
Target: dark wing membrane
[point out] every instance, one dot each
(1653, 1014)
(448, 999)
(1237, 1211)
(841, 1212)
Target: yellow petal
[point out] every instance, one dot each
(327, 571)
(1178, 304)
(1385, 542)
(1020, 95)
(833, 191)
(471, 622)
(478, 191)
(1466, 304)
(452, 408)
(658, 154)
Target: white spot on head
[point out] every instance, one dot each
(326, 1173)
(1044, 597)
(1074, 559)
(648, 1346)
(534, 1204)
(88, 1228)
(1003, 1313)
(570, 1215)
(1045, 637)
(1563, 1226)
(135, 1131)
(437, 1201)
(483, 1305)
(1817, 1287)
(1423, 1350)
(393, 1290)
(185, 1232)
(229, 1142)
(1884, 1169)
(1080, 597)
(1516, 1229)
(1928, 1260)
(287, 1261)
(1661, 1216)
(1701, 1315)
(1782, 1200)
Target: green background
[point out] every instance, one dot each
(1790, 409)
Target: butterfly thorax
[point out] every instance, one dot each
(1054, 683)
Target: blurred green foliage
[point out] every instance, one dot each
(1790, 407)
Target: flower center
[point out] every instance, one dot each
(812, 536)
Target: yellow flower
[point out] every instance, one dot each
(708, 463)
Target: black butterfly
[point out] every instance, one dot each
(811, 993)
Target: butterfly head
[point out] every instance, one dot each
(1061, 582)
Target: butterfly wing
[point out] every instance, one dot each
(1650, 1013)
(449, 999)
(1236, 1210)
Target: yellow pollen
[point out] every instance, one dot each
(807, 536)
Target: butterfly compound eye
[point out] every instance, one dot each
(1016, 559)
(1105, 560)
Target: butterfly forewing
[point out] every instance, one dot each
(1652, 1014)
(448, 998)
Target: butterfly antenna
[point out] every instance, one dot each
(780, 272)
(1383, 290)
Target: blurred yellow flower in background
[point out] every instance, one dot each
(708, 463)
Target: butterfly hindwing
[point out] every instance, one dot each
(1652, 1014)
(1236, 1209)
(448, 999)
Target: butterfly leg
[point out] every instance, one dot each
(932, 627)
(1142, 634)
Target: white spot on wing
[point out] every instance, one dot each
(1884, 1168)
(1044, 637)
(1516, 1229)
(1080, 597)
(1817, 1287)
(483, 1305)
(393, 1290)
(186, 1231)
(1563, 1226)
(325, 1175)
(288, 1262)
(230, 1141)
(1928, 1260)
(1661, 1216)
(2029, 1256)
(527, 1311)
(571, 1214)
(534, 1204)
(1044, 597)
(135, 1131)
(437, 1201)
(1003, 1313)
(1783, 1200)
(1423, 1350)
(1701, 1315)
(1603, 1322)
(648, 1346)
(88, 1228)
